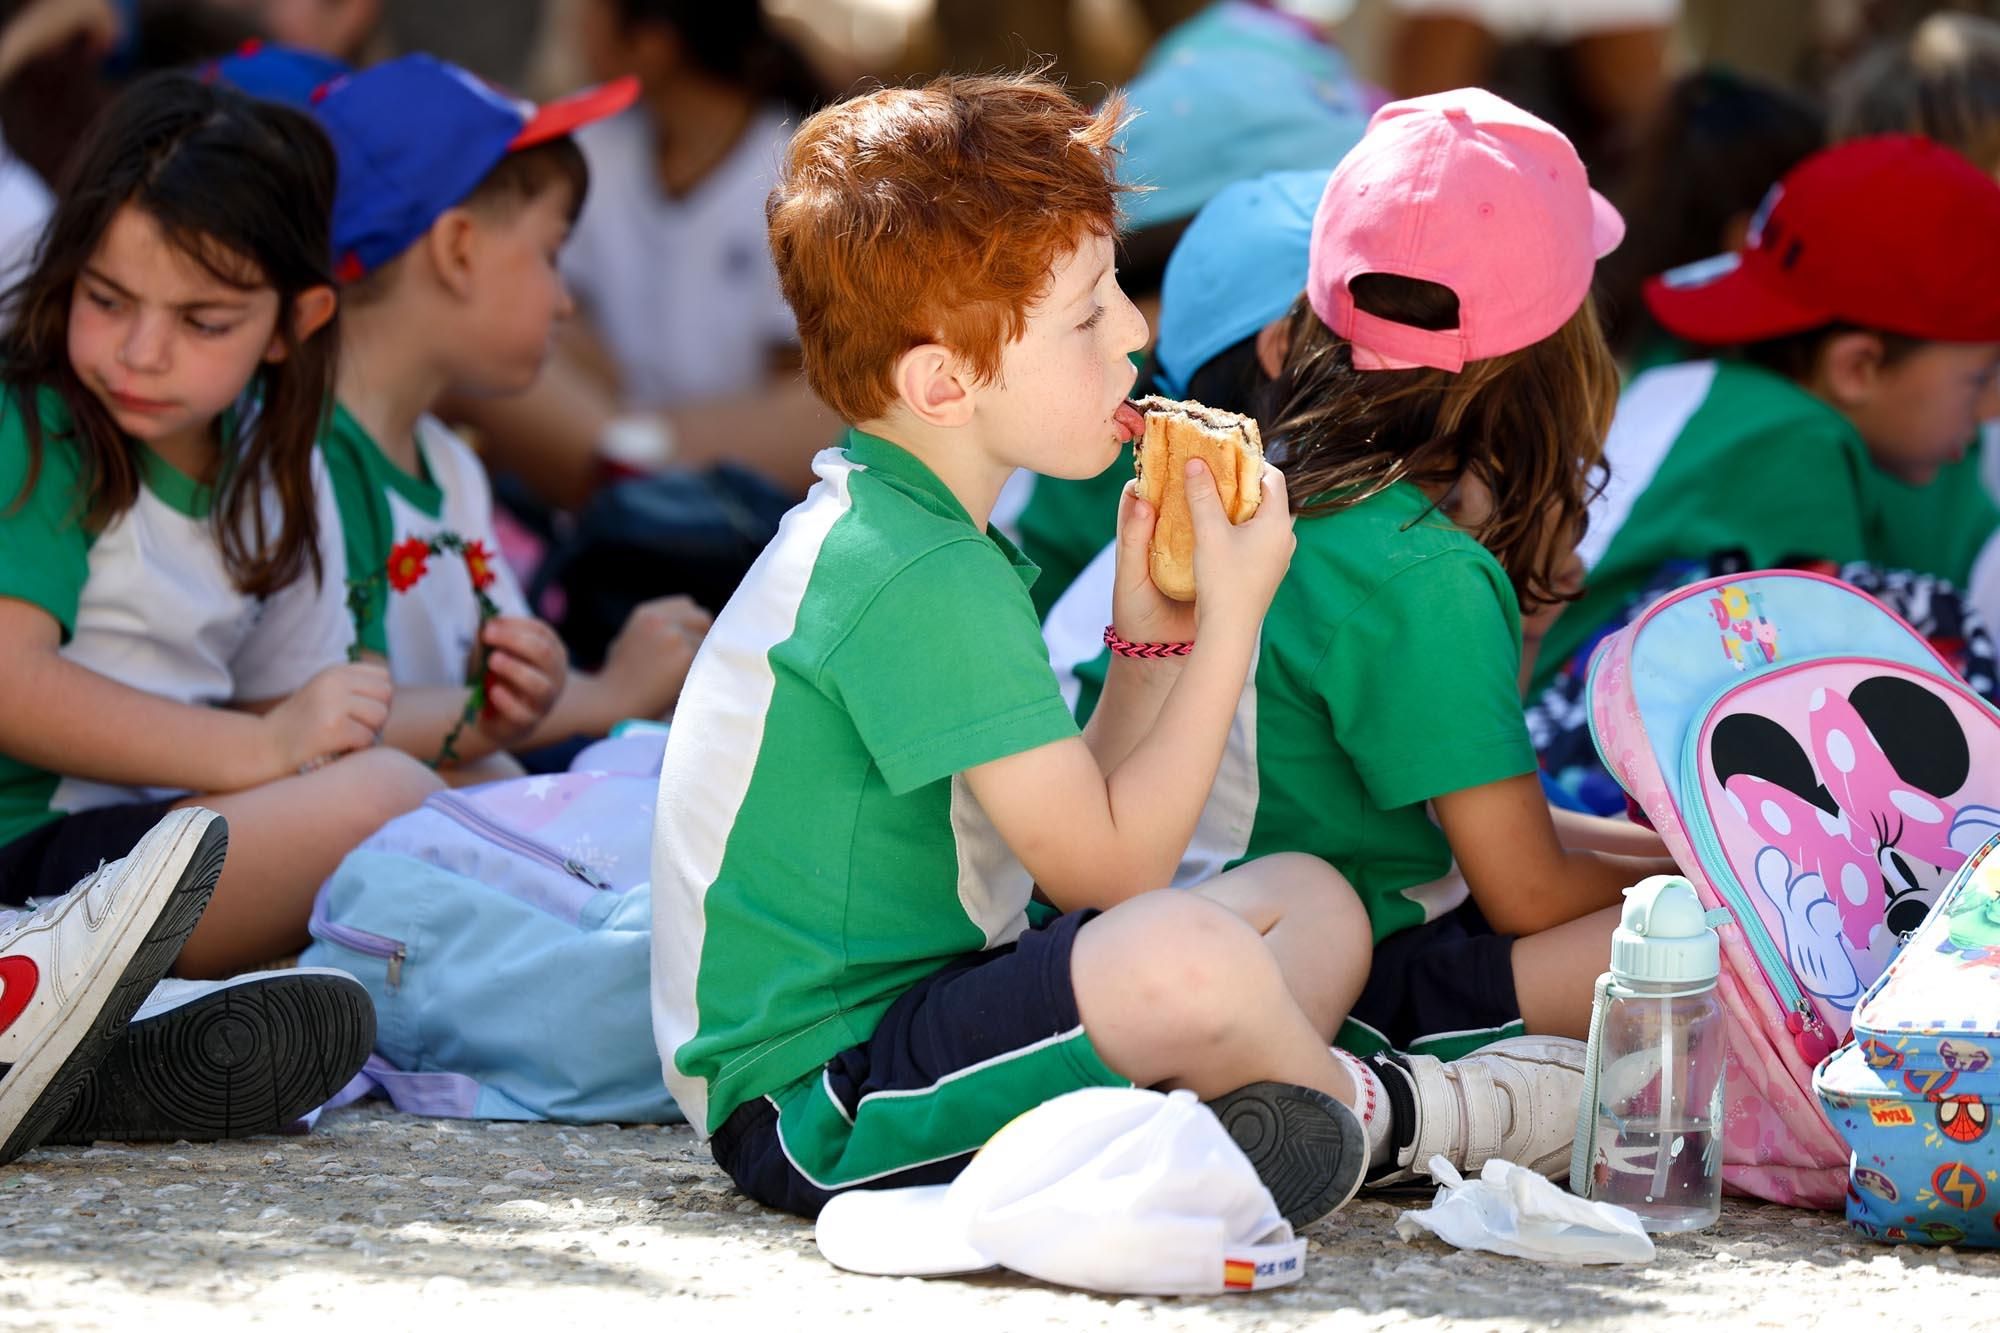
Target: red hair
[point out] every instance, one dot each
(933, 214)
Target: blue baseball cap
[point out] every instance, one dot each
(416, 135)
(1239, 265)
(273, 72)
(1235, 92)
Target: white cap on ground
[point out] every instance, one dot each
(1110, 1189)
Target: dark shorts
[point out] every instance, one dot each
(1444, 988)
(956, 1057)
(47, 862)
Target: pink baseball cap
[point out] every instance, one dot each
(1467, 190)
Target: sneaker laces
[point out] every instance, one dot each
(45, 913)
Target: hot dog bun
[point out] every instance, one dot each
(1176, 432)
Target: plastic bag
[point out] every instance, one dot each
(1511, 1210)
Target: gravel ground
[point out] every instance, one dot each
(399, 1222)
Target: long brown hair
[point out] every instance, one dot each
(1529, 425)
(245, 189)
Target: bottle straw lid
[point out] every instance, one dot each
(1664, 937)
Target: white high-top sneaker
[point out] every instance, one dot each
(72, 972)
(1515, 1100)
(204, 1060)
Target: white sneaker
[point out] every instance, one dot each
(205, 1060)
(72, 972)
(1514, 1100)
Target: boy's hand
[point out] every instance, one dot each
(1240, 565)
(343, 708)
(648, 662)
(526, 667)
(1140, 612)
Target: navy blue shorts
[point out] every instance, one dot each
(48, 861)
(1444, 988)
(958, 1055)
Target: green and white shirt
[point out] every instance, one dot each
(817, 851)
(1709, 456)
(427, 633)
(1385, 676)
(147, 601)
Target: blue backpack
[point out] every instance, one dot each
(1913, 1095)
(505, 933)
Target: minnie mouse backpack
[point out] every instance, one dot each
(1818, 772)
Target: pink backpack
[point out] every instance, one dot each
(1818, 771)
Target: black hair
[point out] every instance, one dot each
(734, 42)
(244, 188)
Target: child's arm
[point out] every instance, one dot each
(1092, 837)
(643, 672)
(66, 718)
(1598, 833)
(1520, 874)
(1136, 689)
(526, 670)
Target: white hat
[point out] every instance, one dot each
(1112, 1189)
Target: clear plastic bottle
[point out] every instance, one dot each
(1649, 1133)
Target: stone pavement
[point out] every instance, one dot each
(382, 1221)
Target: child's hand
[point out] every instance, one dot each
(1140, 612)
(526, 668)
(648, 662)
(1240, 565)
(343, 708)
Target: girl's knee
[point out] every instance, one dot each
(385, 782)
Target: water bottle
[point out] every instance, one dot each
(1649, 1129)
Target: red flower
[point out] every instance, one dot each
(408, 562)
(479, 565)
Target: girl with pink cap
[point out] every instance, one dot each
(1445, 398)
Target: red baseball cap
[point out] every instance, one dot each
(1892, 232)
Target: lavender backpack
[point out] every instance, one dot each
(505, 933)
(1817, 770)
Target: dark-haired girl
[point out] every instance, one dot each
(167, 635)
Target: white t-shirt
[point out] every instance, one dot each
(25, 205)
(428, 631)
(683, 291)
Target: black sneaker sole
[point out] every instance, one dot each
(1308, 1148)
(170, 930)
(246, 1058)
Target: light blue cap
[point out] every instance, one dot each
(1663, 935)
(1233, 93)
(1239, 265)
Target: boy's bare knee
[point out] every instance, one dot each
(1186, 963)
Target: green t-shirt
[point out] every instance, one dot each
(1386, 675)
(1711, 456)
(146, 599)
(1939, 528)
(817, 849)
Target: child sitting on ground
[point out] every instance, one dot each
(1444, 394)
(1865, 317)
(452, 207)
(162, 602)
(873, 769)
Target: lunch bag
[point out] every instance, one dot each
(1816, 769)
(505, 934)
(1914, 1093)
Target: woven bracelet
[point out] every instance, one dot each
(1126, 648)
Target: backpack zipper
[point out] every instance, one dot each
(461, 811)
(363, 942)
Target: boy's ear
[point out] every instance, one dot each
(1274, 344)
(1850, 367)
(311, 310)
(451, 247)
(933, 385)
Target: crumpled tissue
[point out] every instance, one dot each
(1511, 1210)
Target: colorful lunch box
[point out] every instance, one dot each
(1913, 1093)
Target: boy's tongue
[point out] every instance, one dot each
(1131, 422)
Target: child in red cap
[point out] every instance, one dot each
(1864, 315)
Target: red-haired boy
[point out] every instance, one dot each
(871, 767)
